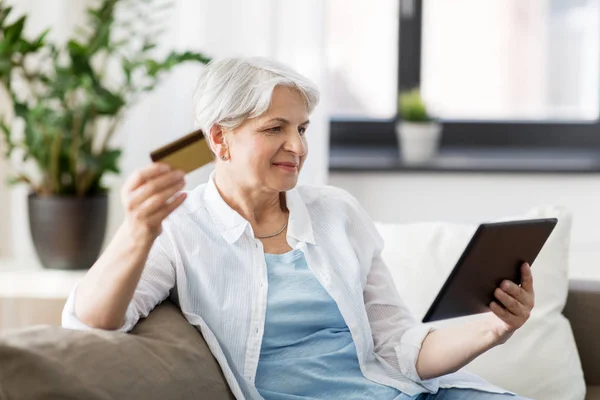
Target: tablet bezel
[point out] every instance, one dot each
(430, 316)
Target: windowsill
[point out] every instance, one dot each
(386, 159)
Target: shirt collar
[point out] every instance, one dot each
(299, 222)
(232, 225)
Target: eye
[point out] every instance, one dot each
(275, 129)
(302, 130)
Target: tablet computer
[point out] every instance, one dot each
(495, 253)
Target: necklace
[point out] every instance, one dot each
(275, 234)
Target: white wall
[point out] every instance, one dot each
(472, 198)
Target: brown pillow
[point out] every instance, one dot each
(163, 357)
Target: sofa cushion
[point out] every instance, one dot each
(540, 360)
(164, 357)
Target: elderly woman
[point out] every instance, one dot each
(285, 282)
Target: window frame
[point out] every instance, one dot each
(490, 134)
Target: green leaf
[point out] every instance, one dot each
(21, 109)
(108, 160)
(148, 46)
(5, 69)
(6, 48)
(412, 108)
(5, 128)
(39, 42)
(12, 33)
(153, 67)
(107, 103)
(127, 67)
(4, 12)
(101, 40)
(94, 15)
(80, 62)
(76, 48)
(6, 132)
(20, 178)
(14, 180)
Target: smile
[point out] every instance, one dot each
(287, 167)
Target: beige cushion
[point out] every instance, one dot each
(164, 357)
(541, 360)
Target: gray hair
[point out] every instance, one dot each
(231, 90)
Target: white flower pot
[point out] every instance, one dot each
(419, 142)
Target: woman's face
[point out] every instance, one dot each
(267, 152)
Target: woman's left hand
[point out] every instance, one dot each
(518, 301)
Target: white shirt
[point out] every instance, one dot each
(208, 261)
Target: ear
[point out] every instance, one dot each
(218, 141)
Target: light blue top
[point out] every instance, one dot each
(307, 350)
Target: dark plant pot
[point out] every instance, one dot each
(68, 231)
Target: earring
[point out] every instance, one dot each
(223, 158)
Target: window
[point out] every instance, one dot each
(512, 59)
(498, 73)
(363, 58)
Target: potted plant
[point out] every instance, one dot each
(418, 133)
(67, 102)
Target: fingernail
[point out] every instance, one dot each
(505, 285)
(165, 168)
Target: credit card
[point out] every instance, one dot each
(187, 153)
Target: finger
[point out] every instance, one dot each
(142, 175)
(527, 278)
(518, 292)
(152, 187)
(167, 209)
(510, 303)
(502, 313)
(158, 200)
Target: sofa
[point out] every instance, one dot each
(582, 310)
(165, 357)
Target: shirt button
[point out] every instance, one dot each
(256, 330)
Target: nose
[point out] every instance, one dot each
(296, 144)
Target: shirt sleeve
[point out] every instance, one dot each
(156, 282)
(397, 336)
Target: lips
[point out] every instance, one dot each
(287, 164)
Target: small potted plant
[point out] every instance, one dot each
(418, 133)
(67, 102)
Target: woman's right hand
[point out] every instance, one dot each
(144, 197)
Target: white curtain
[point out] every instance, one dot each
(292, 31)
